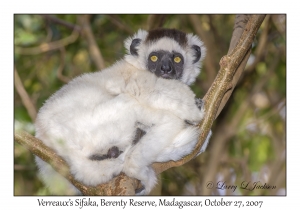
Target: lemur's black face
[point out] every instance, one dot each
(168, 65)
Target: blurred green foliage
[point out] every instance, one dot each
(253, 150)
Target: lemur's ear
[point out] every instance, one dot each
(197, 54)
(133, 46)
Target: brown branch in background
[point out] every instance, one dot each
(279, 21)
(120, 24)
(223, 82)
(54, 19)
(219, 39)
(24, 96)
(259, 52)
(120, 185)
(18, 167)
(49, 34)
(280, 178)
(261, 47)
(84, 21)
(211, 52)
(155, 21)
(45, 47)
(276, 174)
(59, 74)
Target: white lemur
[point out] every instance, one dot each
(127, 116)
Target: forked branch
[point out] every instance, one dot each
(231, 66)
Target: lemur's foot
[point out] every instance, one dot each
(113, 152)
(199, 102)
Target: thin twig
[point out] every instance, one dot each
(62, 22)
(59, 74)
(45, 47)
(94, 50)
(24, 96)
(155, 21)
(49, 34)
(210, 59)
(119, 23)
(261, 47)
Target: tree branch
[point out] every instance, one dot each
(155, 21)
(45, 47)
(119, 23)
(94, 50)
(24, 96)
(62, 22)
(210, 67)
(60, 69)
(239, 26)
(120, 185)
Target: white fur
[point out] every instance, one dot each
(97, 111)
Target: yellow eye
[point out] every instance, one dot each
(177, 59)
(153, 58)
